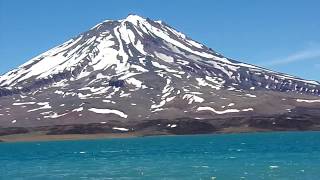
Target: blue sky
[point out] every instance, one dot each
(280, 35)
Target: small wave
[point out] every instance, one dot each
(110, 151)
(273, 167)
(200, 166)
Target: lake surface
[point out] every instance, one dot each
(279, 155)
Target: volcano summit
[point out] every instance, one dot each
(144, 77)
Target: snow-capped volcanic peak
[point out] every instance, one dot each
(122, 74)
(135, 46)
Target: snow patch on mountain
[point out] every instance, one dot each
(109, 111)
(308, 100)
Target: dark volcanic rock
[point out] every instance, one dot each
(191, 127)
(282, 123)
(177, 126)
(79, 129)
(117, 83)
(13, 130)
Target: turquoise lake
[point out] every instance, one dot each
(278, 155)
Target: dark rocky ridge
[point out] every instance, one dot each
(299, 122)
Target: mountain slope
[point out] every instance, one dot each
(136, 74)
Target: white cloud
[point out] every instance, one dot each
(295, 57)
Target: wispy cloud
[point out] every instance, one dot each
(295, 57)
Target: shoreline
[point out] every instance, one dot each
(38, 137)
(31, 137)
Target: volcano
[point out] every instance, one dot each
(141, 76)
